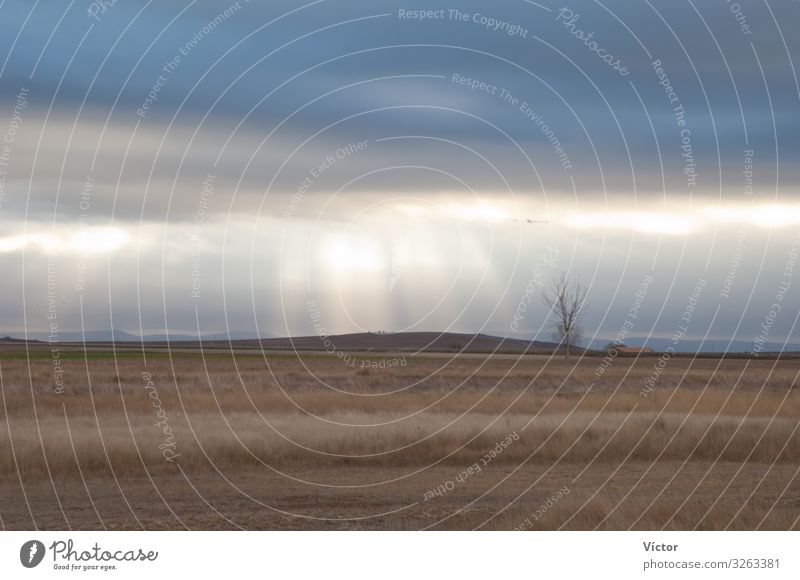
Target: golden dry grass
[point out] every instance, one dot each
(249, 440)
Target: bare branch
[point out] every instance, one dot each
(568, 301)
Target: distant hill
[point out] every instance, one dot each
(10, 340)
(408, 342)
(393, 342)
(356, 342)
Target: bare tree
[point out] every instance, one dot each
(568, 301)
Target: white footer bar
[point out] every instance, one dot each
(400, 555)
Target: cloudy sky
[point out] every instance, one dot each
(199, 166)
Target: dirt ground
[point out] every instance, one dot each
(639, 496)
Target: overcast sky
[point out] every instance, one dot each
(195, 166)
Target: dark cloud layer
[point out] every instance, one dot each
(738, 88)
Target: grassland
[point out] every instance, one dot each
(278, 441)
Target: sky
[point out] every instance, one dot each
(202, 167)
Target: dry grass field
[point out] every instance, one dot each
(440, 442)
